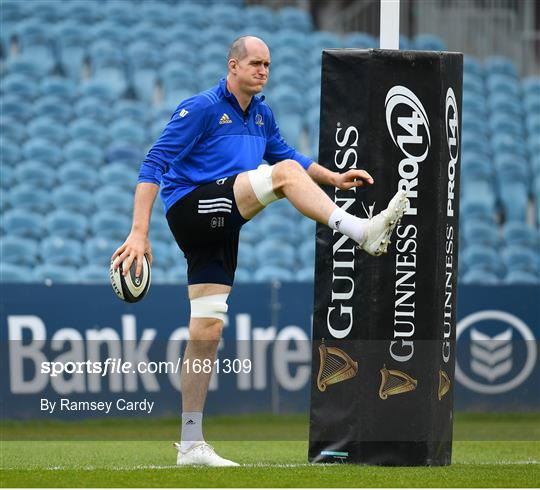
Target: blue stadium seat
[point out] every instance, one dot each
(307, 228)
(119, 174)
(472, 65)
(475, 144)
(502, 123)
(504, 103)
(174, 76)
(273, 273)
(13, 273)
(429, 42)
(320, 40)
(516, 257)
(159, 228)
(86, 13)
(277, 228)
(211, 73)
(22, 223)
(24, 63)
(246, 256)
(67, 224)
(13, 11)
(261, 15)
(479, 276)
(295, 19)
(306, 274)
(271, 251)
(227, 15)
(110, 225)
(34, 39)
(14, 107)
(474, 104)
(71, 197)
(179, 50)
(521, 277)
(124, 152)
(531, 85)
(99, 89)
(473, 123)
(119, 15)
(503, 84)
(124, 131)
(59, 250)
(72, 40)
(531, 104)
(48, 128)
(93, 274)
(79, 174)
(500, 65)
(473, 84)
(477, 232)
(86, 129)
(360, 40)
(483, 258)
(94, 108)
(114, 198)
(7, 180)
(47, 11)
(161, 254)
(251, 233)
(159, 275)
(18, 251)
(288, 38)
(520, 233)
(177, 275)
(55, 107)
(157, 14)
(83, 151)
(193, 15)
(137, 112)
(98, 250)
(291, 128)
(306, 253)
(533, 124)
(20, 85)
(242, 275)
(27, 196)
(143, 63)
(10, 152)
(12, 130)
(36, 173)
(52, 273)
(506, 143)
(478, 206)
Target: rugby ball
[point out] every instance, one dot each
(130, 288)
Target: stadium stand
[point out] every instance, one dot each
(87, 87)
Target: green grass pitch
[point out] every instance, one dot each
(489, 451)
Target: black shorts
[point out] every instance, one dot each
(206, 225)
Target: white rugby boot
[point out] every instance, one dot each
(201, 454)
(381, 226)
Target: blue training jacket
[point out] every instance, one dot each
(209, 138)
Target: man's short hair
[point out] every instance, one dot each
(238, 48)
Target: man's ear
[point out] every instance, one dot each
(233, 64)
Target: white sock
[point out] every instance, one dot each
(191, 430)
(348, 224)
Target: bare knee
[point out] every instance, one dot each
(206, 329)
(284, 173)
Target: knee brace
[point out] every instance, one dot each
(261, 182)
(214, 306)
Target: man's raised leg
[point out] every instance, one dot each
(255, 189)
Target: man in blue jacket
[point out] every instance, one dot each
(207, 162)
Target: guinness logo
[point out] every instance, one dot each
(444, 384)
(394, 382)
(336, 366)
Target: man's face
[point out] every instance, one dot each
(252, 70)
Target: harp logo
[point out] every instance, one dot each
(496, 352)
(394, 382)
(335, 366)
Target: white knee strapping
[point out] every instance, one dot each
(213, 306)
(261, 182)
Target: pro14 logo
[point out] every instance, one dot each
(408, 125)
(452, 138)
(496, 352)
